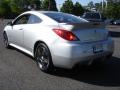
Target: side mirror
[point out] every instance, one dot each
(10, 23)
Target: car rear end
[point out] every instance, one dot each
(80, 42)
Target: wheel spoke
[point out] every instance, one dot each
(39, 52)
(43, 63)
(43, 51)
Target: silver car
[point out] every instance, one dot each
(57, 39)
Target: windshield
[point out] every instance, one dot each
(65, 18)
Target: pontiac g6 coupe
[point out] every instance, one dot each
(57, 39)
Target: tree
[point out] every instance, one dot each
(67, 7)
(98, 6)
(78, 9)
(91, 4)
(113, 10)
(49, 5)
(14, 7)
(36, 4)
(113, 1)
(4, 7)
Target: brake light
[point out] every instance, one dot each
(67, 35)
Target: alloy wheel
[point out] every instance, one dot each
(43, 58)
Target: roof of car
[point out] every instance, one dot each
(42, 11)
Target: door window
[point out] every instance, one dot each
(21, 20)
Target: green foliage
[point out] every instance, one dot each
(38, 4)
(35, 3)
(78, 9)
(49, 5)
(4, 8)
(14, 7)
(113, 10)
(91, 4)
(67, 7)
(45, 4)
(98, 6)
(10, 7)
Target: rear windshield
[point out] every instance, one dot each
(92, 15)
(65, 18)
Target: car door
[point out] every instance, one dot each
(30, 31)
(18, 30)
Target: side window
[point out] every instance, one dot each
(34, 19)
(21, 20)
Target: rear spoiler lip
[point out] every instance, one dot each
(85, 25)
(94, 23)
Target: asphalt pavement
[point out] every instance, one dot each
(18, 71)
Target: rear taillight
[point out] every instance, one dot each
(67, 35)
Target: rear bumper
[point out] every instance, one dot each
(67, 55)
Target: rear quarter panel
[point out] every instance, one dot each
(38, 32)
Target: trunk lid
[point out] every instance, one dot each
(87, 32)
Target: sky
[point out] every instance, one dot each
(83, 2)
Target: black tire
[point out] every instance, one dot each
(43, 58)
(5, 40)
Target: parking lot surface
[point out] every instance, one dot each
(18, 71)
